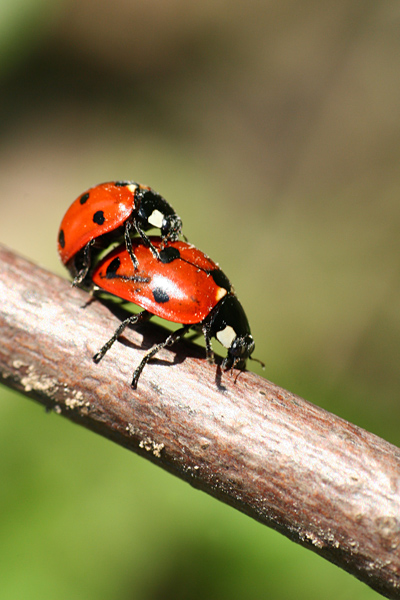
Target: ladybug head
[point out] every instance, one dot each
(171, 227)
(239, 351)
(230, 326)
(154, 211)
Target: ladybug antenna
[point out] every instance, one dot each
(259, 361)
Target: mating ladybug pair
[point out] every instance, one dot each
(166, 277)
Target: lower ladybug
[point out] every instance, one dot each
(108, 213)
(184, 286)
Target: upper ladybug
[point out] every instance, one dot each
(107, 213)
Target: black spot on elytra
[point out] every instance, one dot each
(99, 217)
(221, 279)
(112, 268)
(160, 296)
(169, 254)
(61, 238)
(84, 198)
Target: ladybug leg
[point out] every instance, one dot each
(207, 337)
(83, 271)
(132, 320)
(128, 244)
(171, 339)
(146, 240)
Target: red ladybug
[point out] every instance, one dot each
(107, 213)
(183, 286)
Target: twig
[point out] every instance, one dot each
(319, 480)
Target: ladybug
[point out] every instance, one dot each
(110, 212)
(183, 286)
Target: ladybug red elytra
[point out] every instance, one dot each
(107, 213)
(183, 286)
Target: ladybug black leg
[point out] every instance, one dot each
(171, 339)
(207, 338)
(83, 271)
(128, 244)
(146, 240)
(132, 320)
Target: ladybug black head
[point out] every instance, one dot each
(171, 227)
(240, 350)
(154, 211)
(230, 326)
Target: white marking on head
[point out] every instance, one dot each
(156, 219)
(132, 187)
(226, 336)
(221, 292)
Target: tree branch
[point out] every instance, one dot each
(319, 480)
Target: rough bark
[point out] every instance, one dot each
(321, 481)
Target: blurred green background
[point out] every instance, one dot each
(273, 128)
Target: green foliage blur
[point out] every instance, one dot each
(274, 130)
